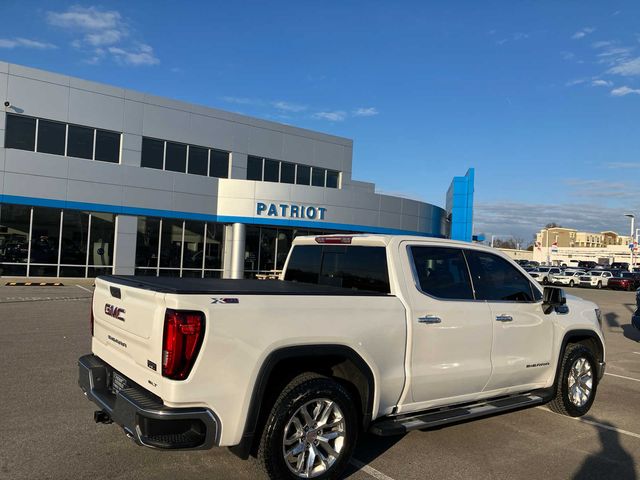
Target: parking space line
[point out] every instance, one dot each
(622, 376)
(637, 353)
(595, 424)
(369, 470)
(84, 288)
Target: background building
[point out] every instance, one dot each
(97, 179)
(559, 245)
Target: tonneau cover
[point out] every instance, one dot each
(209, 286)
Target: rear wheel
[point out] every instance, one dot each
(577, 382)
(311, 430)
(599, 285)
(545, 281)
(571, 283)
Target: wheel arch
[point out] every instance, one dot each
(588, 338)
(282, 365)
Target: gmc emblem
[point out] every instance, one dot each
(113, 311)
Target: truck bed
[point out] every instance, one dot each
(217, 286)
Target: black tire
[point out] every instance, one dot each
(571, 283)
(562, 403)
(301, 390)
(599, 285)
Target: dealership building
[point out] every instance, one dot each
(98, 179)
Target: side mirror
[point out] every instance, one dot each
(553, 298)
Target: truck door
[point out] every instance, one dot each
(522, 333)
(450, 343)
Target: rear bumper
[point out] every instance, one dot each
(143, 416)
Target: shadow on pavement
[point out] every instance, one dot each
(631, 332)
(370, 447)
(612, 461)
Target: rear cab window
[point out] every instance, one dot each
(354, 267)
(442, 272)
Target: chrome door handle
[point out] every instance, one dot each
(504, 318)
(429, 319)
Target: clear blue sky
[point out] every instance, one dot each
(542, 98)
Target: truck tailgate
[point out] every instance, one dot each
(128, 325)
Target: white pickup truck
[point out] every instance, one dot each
(374, 333)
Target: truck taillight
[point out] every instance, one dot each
(183, 332)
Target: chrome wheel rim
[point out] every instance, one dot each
(580, 382)
(314, 438)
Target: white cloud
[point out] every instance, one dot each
(622, 91)
(333, 116)
(288, 106)
(627, 68)
(140, 55)
(105, 37)
(242, 100)
(617, 165)
(602, 44)
(365, 112)
(583, 33)
(577, 81)
(601, 83)
(20, 42)
(95, 28)
(90, 18)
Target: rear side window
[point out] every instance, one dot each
(356, 268)
(442, 272)
(496, 279)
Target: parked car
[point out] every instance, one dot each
(620, 265)
(543, 274)
(587, 264)
(635, 318)
(568, 277)
(625, 281)
(381, 338)
(595, 278)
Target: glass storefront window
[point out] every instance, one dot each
(14, 239)
(44, 240)
(193, 245)
(198, 160)
(252, 248)
(285, 237)
(214, 246)
(171, 243)
(219, 164)
(101, 239)
(267, 248)
(175, 157)
(152, 153)
(107, 146)
(75, 230)
(147, 244)
(80, 142)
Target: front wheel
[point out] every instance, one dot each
(599, 286)
(545, 281)
(311, 430)
(577, 382)
(571, 283)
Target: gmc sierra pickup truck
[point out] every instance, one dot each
(384, 334)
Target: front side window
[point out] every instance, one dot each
(442, 272)
(494, 278)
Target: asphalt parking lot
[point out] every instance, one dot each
(48, 431)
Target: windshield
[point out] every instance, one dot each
(595, 274)
(542, 269)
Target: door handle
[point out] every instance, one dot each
(504, 318)
(429, 319)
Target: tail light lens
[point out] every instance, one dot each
(183, 332)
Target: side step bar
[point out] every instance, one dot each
(436, 418)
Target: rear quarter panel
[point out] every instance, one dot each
(240, 336)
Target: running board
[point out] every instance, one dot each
(436, 418)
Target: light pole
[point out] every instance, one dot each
(633, 231)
